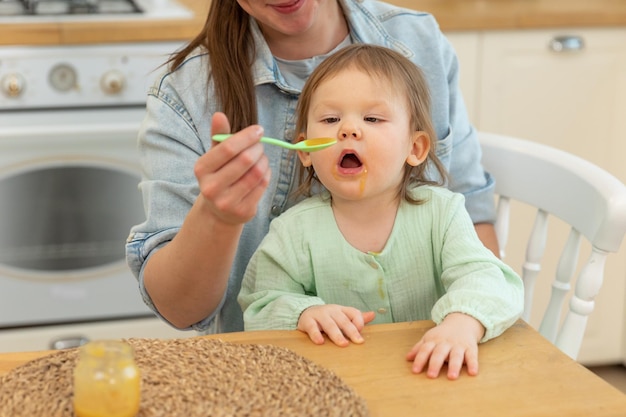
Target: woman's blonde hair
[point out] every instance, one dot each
(401, 74)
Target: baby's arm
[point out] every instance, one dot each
(341, 324)
(455, 341)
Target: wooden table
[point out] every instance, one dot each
(521, 374)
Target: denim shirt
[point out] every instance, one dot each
(176, 131)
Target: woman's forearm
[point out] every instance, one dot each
(187, 278)
(487, 234)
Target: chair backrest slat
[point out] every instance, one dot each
(503, 223)
(582, 303)
(561, 286)
(584, 196)
(534, 253)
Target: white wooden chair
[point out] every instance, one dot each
(584, 196)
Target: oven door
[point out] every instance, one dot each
(68, 197)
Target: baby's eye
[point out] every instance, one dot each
(330, 120)
(371, 119)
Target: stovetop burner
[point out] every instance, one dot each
(67, 7)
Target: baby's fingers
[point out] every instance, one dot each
(419, 354)
(471, 360)
(351, 332)
(368, 316)
(438, 357)
(334, 333)
(429, 356)
(352, 322)
(311, 328)
(455, 362)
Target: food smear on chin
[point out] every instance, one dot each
(350, 168)
(362, 184)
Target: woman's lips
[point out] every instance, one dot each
(288, 6)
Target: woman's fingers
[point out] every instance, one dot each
(234, 174)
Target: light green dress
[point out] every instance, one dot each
(433, 264)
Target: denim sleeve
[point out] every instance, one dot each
(139, 248)
(460, 149)
(169, 145)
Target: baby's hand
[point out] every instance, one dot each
(455, 340)
(341, 324)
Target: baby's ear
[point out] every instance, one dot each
(305, 157)
(420, 146)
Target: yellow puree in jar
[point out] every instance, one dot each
(106, 381)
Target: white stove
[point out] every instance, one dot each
(69, 171)
(46, 77)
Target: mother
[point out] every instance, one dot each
(208, 207)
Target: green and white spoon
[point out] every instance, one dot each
(308, 145)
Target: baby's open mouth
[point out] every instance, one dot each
(350, 160)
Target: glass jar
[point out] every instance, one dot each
(106, 380)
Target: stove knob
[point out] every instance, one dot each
(13, 85)
(112, 82)
(63, 78)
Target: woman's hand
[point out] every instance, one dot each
(455, 341)
(188, 277)
(341, 324)
(233, 175)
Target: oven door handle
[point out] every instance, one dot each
(64, 131)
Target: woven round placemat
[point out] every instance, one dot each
(193, 377)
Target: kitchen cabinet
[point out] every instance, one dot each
(574, 100)
(565, 88)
